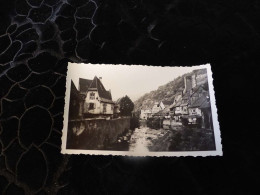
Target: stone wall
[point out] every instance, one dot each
(96, 133)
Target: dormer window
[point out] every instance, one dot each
(92, 96)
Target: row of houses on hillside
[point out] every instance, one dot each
(193, 108)
(157, 107)
(92, 100)
(191, 105)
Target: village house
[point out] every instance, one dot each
(198, 104)
(190, 103)
(149, 111)
(200, 112)
(176, 110)
(187, 105)
(197, 98)
(98, 101)
(177, 99)
(181, 101)
(164, 112)
(194, 116)
(146, 113)
(157, 107)
(189, 84)
(184, 103)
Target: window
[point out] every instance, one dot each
(104, 108)
(91, 106)
(92, 96)
(193, 111)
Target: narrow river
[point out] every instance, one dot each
(142, 138)
(138, 140)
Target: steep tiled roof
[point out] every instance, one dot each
(166, 109)
(74, 91)
(185, 103)
(95, 84)
(84, 85)
(103, 93)
(198, 102)
(160, 113)
(166, 102)
(176, 104)
(173, 105)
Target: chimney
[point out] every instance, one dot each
(100, 78)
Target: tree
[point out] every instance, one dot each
(134, 122)
(126, 106)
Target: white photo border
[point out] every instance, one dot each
(216, 129)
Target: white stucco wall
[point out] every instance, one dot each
(109, 108)
(195, 111)
(97, 107)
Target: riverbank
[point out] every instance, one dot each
(185, 139)
(145, 139)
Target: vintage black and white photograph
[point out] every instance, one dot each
(140, 111)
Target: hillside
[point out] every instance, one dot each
(165, 93)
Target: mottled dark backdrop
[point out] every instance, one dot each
(39, 37)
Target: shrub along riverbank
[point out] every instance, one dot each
(187, 139)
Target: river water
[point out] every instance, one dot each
(143, 138)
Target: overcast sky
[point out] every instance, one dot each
(133, 81)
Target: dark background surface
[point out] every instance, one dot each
(39, 37)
